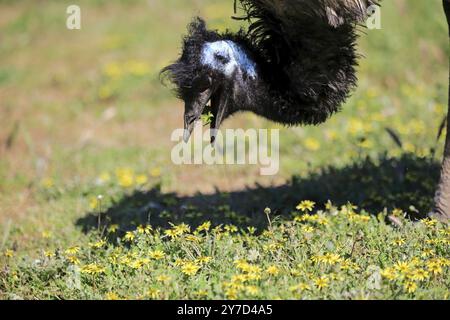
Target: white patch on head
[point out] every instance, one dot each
(235, 58)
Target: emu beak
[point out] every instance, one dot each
(189, 124)
(188, 128)
(192, 112)
(219, 109)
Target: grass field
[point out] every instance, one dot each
(91, 206)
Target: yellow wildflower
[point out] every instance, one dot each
(306, 205)
(273, 270)
(241, 264)
(307, 229)
(138, 263)
(399, 242)
(251, 230)
(312, 144)
(329, 205)
(295, 273)
(171, 233)
(402, 267)
(347, 264)
(99, 244)
(190, 269)
(254, 276)
(331, 135)
(181, 229)
(315, 258)
(300, 287)
(113, 228)
(271, 247)
(249, 268)
(125, 260)
(153, 293)
(335, 276)
(322, 221)
(427, 252)
(230, 228)
(429, 222)
(397, 213)
(46, 234)
(137, 68)
(92, 269)
(47, 183)
(112, 70)
(434, 267)
(112, 296)
(163, 278)
(357, 127)
(204, 260)
(179, 262)
(358, 218)
(157, 254)
(389, 273)
(231, 293)
(155, 172)
(414, 262)
(252, 290)
(94, 203)
(73, 259)
(419, 275)
(192, 238)
(204, 226)
(106, 91)
(144, 230)
(201, 293)
(72, 250)
(443, 262)
(410, 287)
(331, 259)
(141, 179)
(125, 177)
(239, 278)
(254, 269)
(129, 236)
(104, 177)
(49, 254)
(321, 282)
(365, 144)
(8, 253)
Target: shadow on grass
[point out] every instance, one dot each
(372, 185)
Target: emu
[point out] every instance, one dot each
(295, 65)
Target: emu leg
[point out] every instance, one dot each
(442, 198)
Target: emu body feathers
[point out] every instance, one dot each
(302, 51)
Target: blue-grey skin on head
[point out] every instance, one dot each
(228, 59)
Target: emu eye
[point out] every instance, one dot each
(221, 58)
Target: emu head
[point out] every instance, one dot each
(209, 70)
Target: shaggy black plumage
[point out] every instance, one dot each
(295, 64)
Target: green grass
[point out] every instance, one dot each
(336, 254)
(82, 114)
